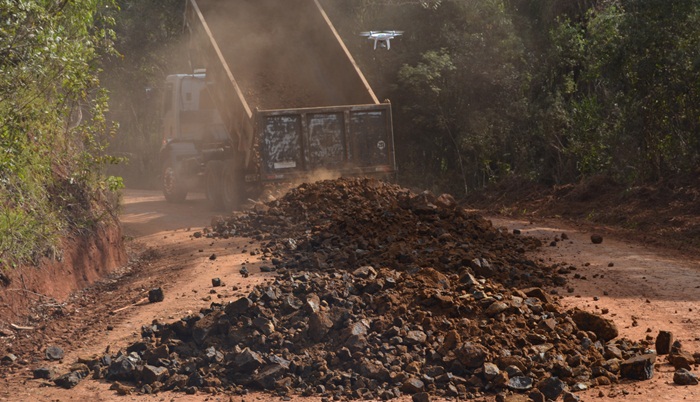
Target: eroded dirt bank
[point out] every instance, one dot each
(111, 314)
(85, 259)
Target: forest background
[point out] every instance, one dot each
(542, 91)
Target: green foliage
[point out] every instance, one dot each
(544, 89)
(461, 102)
(52, 127)
(635, 78)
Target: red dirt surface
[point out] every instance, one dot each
(645, 289)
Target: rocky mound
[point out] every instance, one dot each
(381, 292)
(347, 223)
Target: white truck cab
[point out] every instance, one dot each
(190, 122)
(188, 113)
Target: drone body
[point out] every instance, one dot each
(383, 38)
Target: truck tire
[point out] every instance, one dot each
(173, 188)
(232, 186)
(213, 184)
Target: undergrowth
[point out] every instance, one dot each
(52, 127)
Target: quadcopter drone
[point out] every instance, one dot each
(382, 37)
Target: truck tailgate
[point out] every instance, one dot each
(347, 140)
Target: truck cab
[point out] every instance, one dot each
(192, 130)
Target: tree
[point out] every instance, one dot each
(466, 99)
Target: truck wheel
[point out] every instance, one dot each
(173, 188)
(233, 189)
(213, 175)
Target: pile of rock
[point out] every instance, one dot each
(338, 225)
(379, 293)
(377, 333)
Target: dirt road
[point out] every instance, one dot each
(643, 290)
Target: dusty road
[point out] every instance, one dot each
(643, 290)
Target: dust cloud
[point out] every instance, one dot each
(283, 54)
(276, 191)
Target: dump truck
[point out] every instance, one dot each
(274, 96)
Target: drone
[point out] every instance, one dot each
(382, 37)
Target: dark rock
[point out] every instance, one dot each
(9, 358)
(613, 352)
(482, 268)
(248, 361)
(421, 397)
(570, 397)
(319, 325)
(54, 353)
(156, 295)
(43, 373)
(137, 347)
(638, 367)
(520, 383)
(151, 374)
(471, 355)
(682, 360)
(268, 376)
(468, 279)
(412, 386)
(603, 328)
(552, 387)
(422, 204)
(122, 368)
(69, 380)
(664, 341)
(596, 239)
(676, 347)
(537, 396)
(684, 377)
(264, 325)
(216, 282)
(374, 371)
(238, 307)
(538, 293)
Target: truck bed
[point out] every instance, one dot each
(284, 54)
